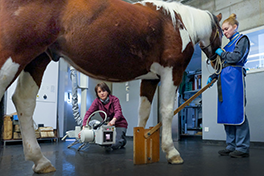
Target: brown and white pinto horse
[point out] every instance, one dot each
(110, 40)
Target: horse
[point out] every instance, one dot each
(109, 40)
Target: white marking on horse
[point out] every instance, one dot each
(25, 105)
(185, 38)
(156, 68)
(24, 99)
(7, 74)
(165, 5)
(144, 111)
(149, 75)
(18, 11)
(167, 78)
(197, 28)
(167, 96)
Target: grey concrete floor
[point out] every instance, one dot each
(200, 159)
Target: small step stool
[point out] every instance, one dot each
(147, 141)
(146, 144)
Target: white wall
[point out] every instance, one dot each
(130, 107)
(46, 108)
(255, 105)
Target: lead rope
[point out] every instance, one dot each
(218, 65)
(218, 69)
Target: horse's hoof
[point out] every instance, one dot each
(175, 160)
(45, 170)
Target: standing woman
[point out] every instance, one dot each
(231, 90)
(111, 105)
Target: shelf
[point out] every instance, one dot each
(196, 106)
(194, 129)
(52, 139)
(192, 91)
(189, 116)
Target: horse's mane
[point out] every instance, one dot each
(197, 22)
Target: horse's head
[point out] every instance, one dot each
(209, 47)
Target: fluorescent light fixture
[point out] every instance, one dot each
(255, 55)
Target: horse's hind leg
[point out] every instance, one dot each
(8, 71)
(167, 96)
(147, 91)
(24, 99)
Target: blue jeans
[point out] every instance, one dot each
(238, 137)
(120, 137)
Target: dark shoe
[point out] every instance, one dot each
(108, 148)
(224, 152)
(238, 154)
(119, 145)
(115, 147)
(124, 143)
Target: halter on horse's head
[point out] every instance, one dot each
(215, 39)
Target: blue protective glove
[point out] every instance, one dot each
(219, 51)
(211, 78)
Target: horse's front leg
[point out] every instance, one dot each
(24, 99)
(147, 91)
(167, 96)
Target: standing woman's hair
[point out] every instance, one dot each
(103, 86)
(232, 20)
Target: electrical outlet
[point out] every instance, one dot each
(206, 129)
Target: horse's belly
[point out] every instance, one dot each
(149, 75)
(111, 71)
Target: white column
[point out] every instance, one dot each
(84, 84)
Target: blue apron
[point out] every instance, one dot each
(231, 107)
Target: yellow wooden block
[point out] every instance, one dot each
(8, 128)
(146, 150)
(46, 132)
(17, 135)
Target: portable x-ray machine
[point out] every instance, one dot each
(96, 132)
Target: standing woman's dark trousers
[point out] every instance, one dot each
(238, 137)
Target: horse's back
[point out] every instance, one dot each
(122, 36)
(126, 38)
